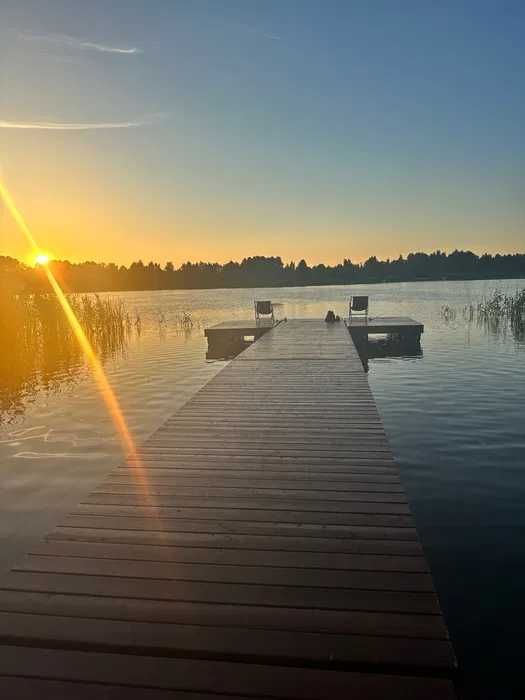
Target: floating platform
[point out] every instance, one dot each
(401, 326)
(229, 338)
(403, 333)
(261, 546)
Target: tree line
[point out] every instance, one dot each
(260, 271)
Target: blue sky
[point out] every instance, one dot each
(303, 129)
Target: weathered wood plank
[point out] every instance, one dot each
(241, 479)
(262, 543)
(225, 555)
(239, 573)
(253, 499)
(247, 616)
(364, 493)
(362, 526)
(184, 674)
(231, 593)
(31, 688)
(322, 650)
(351, 464)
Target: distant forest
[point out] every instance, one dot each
(260, 271)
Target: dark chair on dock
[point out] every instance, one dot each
(358, 305)
(264, 311)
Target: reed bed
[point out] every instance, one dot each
(39, 349)
(498, 313)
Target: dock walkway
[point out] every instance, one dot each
(263, 549)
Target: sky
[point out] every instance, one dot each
(213, 130)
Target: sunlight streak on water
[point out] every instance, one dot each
(105, 388)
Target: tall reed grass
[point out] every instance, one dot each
(38, 349)
(498, 313)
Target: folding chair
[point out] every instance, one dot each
(358, 305)
(263, 308)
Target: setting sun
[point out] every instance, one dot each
(41, 259)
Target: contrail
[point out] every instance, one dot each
(74, 43)
(239, 26)
(81, 126)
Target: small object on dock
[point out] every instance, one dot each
(264, 308)
(358, 304)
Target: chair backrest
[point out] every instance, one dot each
(359, 304)
(263, 307)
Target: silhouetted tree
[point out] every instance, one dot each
(257, 271)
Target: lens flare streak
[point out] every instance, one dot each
(97, 369)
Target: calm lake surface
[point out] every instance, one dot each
(454, 417)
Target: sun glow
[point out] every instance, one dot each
(97, 369)
(42, 259)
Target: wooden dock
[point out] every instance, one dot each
(263, 549)
(404, 329)
(229, 338)
(386, 325)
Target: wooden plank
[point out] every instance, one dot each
(267, 479)
(261, 617)
(332, 470)
(228, 593)
(262, 543)
(218, 676)
(229, 573)
(261, 512)
(245, 645)
(295, 464)
(230, 556)
(361, 493)
(248, 325)
(254, 499)
(31, 688)
(171, 517)
(363, 527)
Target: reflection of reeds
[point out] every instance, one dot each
(38, 348)
(448, 313)
(498, 313)
(181, 321)
(186, 321)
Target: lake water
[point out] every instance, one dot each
(454, 416)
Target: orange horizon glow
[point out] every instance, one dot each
(94, 362)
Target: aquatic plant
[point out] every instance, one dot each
(39, 350)
(448, 313)
(498, 313)
(186, 322)
(502, 309)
